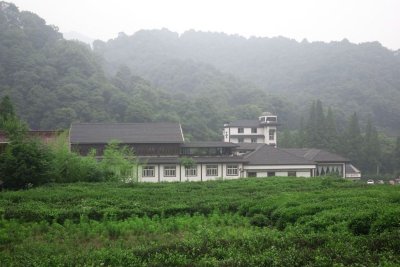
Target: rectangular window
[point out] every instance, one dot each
(232, 170)
(253, 130)
(170, 171)
(192, 171)
(240, 139)
(291, 174)
(270, 174)
(272, 134)
(211, 170)
(254, 140)
(251, 174)
(240, 130)
(148, 171)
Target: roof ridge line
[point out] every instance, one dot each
(255, 150)
(292, 154)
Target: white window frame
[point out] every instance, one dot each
(149, 171)
(253, 140)
(232, 170)
(240, 130)
(272, 136)
(170, 171)
(240, 140)
(191, 171)
(212, 170)
(292, 172)
(254, 130)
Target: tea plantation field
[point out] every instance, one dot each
(248, 222)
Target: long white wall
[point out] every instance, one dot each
(279, 170)
(180, 174)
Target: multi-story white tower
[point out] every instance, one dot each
(262, 130)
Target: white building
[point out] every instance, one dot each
(251, 152)
(261, 131)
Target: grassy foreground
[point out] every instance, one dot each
(248, 222)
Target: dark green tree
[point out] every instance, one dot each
(331, 133)
(6, 108)
(396, 157)
(24, 164)
(371, 149)
(320, 131)
(287, 140)
(301, 135)
(352, 140)
(311, 134)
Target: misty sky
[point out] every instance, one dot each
(316, 20)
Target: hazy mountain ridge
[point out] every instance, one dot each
(191, 77)
(54, 82)
(350, 77)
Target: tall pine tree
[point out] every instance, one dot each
(352, 140)
(396, 157)
(311, 127)
(6, 108)
(331, 134)
(320, 138)
(371, 149)
(301, 135)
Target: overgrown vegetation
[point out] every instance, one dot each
(27, 162)
(374, 153)
(54, 82)
(248, 222)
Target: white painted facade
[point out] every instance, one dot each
(202, 172)
(279, 170)
(264, 131)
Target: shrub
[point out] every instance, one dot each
(70, 167)
(119, 163)
(260, 220)
(388, 221)
(25, 163)
(361, 224)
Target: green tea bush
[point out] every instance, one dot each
(361, 223)
(388, 221)
(248, 222)
(260, 220)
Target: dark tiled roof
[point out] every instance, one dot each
(209, 144)
(317, 155)
(244, 123)
(176, 160)
(126, 133)
(268, 155)
(228, 159)
(249, 146)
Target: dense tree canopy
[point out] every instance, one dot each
(349, 77)
(203, 80)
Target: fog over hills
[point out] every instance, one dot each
(72, 35)
(350, 77)
(198, 78)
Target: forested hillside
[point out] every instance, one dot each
(199, 79)
(349, 77)
(54, 82)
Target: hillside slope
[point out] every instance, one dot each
(349, 77)
(54, 82)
